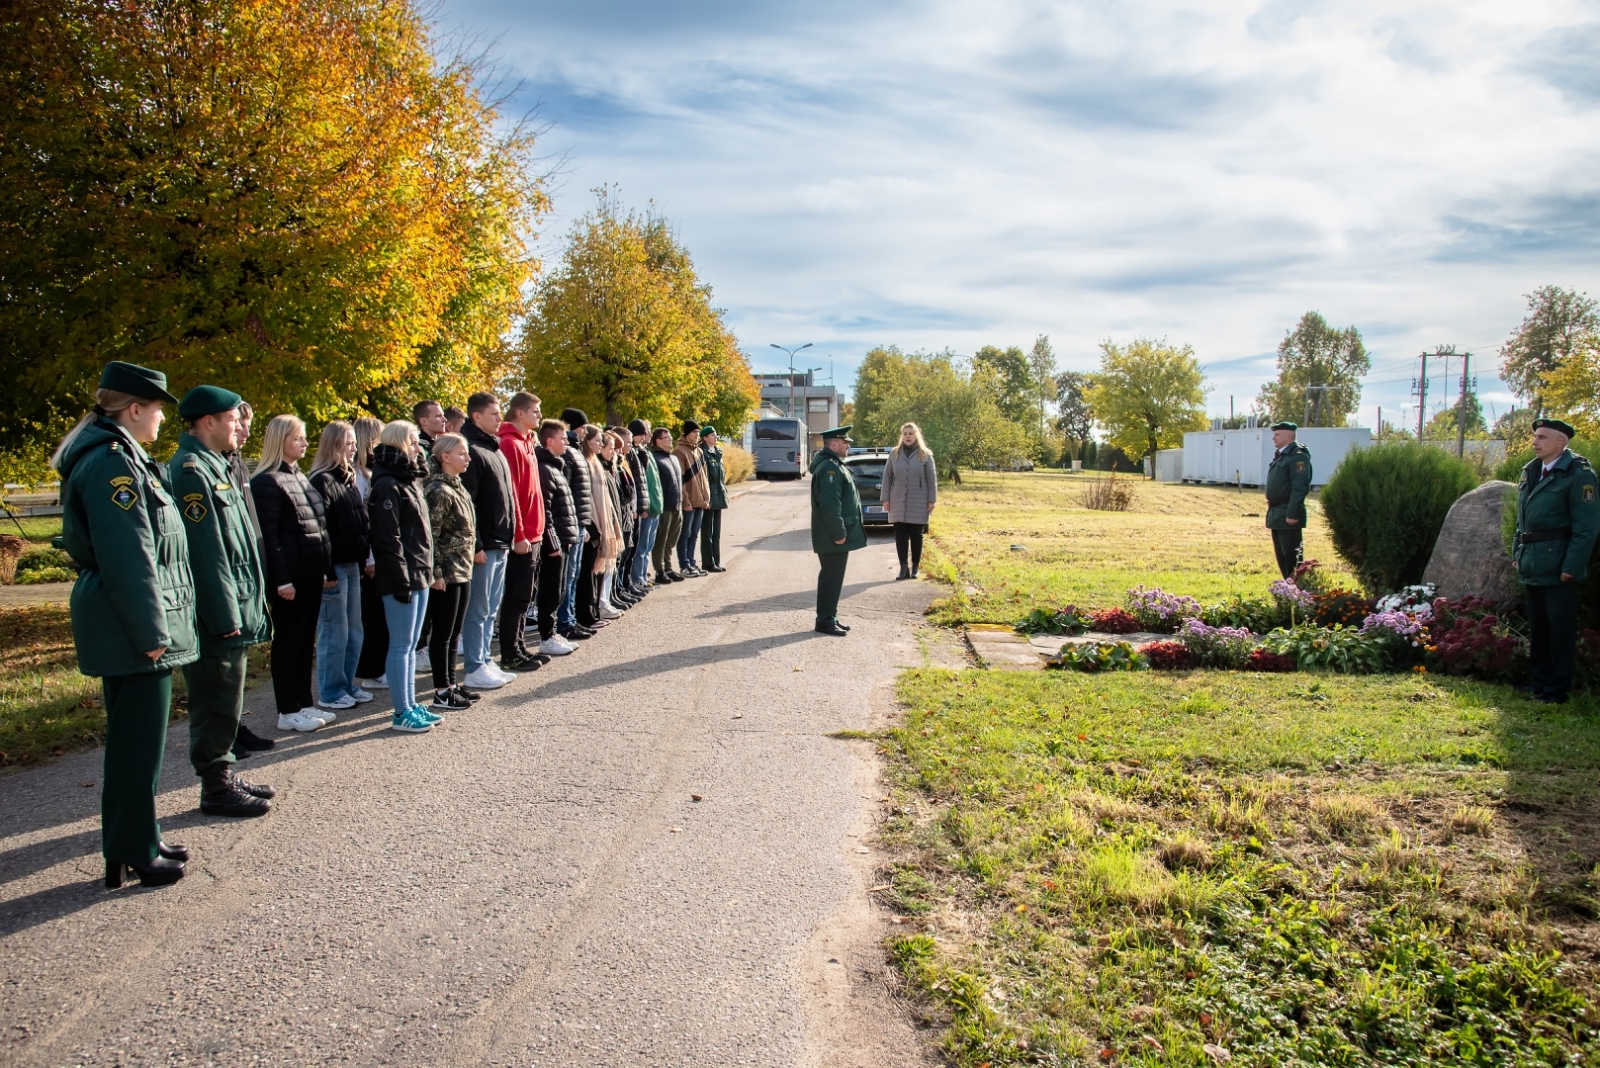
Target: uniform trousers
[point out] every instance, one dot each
(711, 538)
(1552, 637)
(1286, 547)
(294, 641)
(447, 608)
(136, 742)
(216, 701)
(667, 539)
(522, 572)
(548, 592)
(830, 584)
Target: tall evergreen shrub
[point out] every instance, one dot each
(1384, 508)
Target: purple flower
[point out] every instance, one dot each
(1286, 590)
(1401, 624)
(1155, 607)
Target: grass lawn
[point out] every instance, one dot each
(37, 529)
(1195, 540)
(1202, 868)
(46, 707)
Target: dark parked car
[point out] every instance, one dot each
(867, 469)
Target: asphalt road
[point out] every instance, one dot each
(529, 884)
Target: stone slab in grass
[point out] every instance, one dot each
(1050, 644)
(1002, 647)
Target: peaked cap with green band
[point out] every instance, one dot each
(839, 432)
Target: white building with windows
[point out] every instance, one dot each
(817, 405)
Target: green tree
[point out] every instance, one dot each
(1557, 319)
(1074, 419)
(1006, 376)
(1147, 395)
(1319, 374)
(1442, 426)
(291, 198)
(1572, 389)
(623, 325)
(1042, 368)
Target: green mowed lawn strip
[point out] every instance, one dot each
(1285, 869)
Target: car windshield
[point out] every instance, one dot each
(870, 471)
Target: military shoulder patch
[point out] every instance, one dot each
(1588, 495)
(122, 494)
(190, 464)
(194, 508)
(1300, 465)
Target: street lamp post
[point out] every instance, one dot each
(791, 353)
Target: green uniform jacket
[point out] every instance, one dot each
(1562, 500)
(134, 591)
(1288, 482)
(716, 476)
(835, 506)
(652, 480)
(230, 588)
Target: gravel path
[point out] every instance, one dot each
(529, 884)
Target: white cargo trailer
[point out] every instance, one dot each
(1241, 457)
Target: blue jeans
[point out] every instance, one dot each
(689, 540)
(339, 635)
(639, 567)
(488, 587)
(567, 614)
(405, 627)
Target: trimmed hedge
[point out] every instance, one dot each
(1384, 507)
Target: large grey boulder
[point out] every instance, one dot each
(1470, 557)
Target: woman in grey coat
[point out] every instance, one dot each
(909, 491)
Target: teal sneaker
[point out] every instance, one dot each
(409, 722)
(431, 717)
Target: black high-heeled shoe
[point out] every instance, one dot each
(173, 852)
(159, 872)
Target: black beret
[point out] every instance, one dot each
(1556, 424)
(136, 381)
(207, 400)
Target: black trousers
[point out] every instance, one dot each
(294, 644)
(909, 536)
(1552, 637)
(447, 608)
(136, 740)
(548, 592)
(1286, 547)
(711, 538)
(830, 584)
(522, 574)
(588, 585)
(374, 632)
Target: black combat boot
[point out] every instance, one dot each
(220, 795)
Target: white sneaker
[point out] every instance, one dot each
(485, 678)
(605, 611)
(361, 696)
(304, 720)
(505, 676)
(344, 701)
(424, 663)
(379, 683)
(321, 713)
(556, 645)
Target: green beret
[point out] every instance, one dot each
(207, 400)
(1285, 425)
(707, 430)
(838, 432)
(136, 381)
(1556, 424)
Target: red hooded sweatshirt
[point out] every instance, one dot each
(517, 448)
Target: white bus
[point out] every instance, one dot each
(780, 448)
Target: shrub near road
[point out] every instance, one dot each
(1255, 869)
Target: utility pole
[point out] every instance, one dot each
(1461, 410)
(1422, 396)
(1380, 422)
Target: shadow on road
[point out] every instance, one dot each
(783, 602)
(614, 672)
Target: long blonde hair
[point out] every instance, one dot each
(107, 403)
(279, 431)
(336, 437)
(367, 431)
(923, 452)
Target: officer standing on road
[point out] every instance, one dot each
(717, 481)
(1288, 482)
(835, 525)
(132, 605)
(1557, 521)
(229, 594)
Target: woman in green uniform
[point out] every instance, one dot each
(133, 617)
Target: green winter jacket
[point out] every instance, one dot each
(134, 591)
(716, 476)
(1288, 482)
(652, 480)
(1561, 503)
(230, 591)
(835, 506)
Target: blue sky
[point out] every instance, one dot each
(941, 175)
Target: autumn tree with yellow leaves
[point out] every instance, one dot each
(291, 198)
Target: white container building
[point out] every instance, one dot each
(1241, 457)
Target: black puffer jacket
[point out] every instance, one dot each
(627, 497)
(638, 455)
(560, 514)
(346, 513)
(577, 469)
(671, 480)
(487, 481)
(402, 536)
(294, 531)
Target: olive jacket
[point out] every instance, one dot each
(910, 486)
(1288, 482)
(1558, 518)
(835, 506)
(121, 526)
(716, 476)
(230, 587)
(452, 520)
